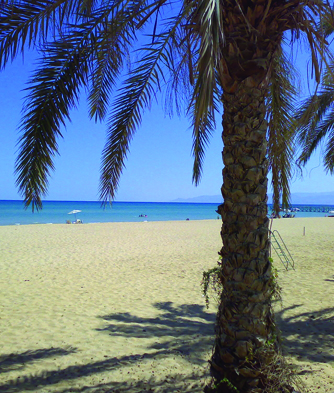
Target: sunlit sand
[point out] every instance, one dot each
(118, 307)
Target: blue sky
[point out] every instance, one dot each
(158, 168)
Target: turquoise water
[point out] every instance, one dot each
(56, 212)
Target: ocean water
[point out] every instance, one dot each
(56, 212)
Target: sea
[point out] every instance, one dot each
(58, 212)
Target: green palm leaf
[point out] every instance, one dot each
(314, 120)
(29, 23)
(204, 100)
(53, 91)
(327, 127)
(136, 95)
(281, 132)
(111, 49)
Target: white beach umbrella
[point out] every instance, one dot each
(75, 213)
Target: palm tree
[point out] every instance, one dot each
(211, 53)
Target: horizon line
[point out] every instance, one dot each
(174, 201)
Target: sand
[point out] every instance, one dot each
(118, 307)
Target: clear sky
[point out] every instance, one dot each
(158, 168)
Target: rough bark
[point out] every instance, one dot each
(244, 320)
(245, 324)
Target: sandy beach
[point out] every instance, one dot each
(118, 307)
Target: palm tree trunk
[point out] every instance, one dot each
(244, 320)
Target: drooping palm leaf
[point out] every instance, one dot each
(208, 18)
(111, 49)
(53, 92)
(281, 131)
(327, 126)
(102, 80)
(314, 120)
(29, 23)
(180, 62)
(139, 89)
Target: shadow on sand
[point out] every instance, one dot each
(48, 379)
(185, 331)
(17, 361)
(308, 336)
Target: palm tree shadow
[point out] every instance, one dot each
(187, 329)
(190, 383)
(308, 336)
(17, 361)
(50, 379)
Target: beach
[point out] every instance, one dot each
(118, 307)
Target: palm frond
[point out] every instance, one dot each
(102, 80)
(328, 125)
(203, 103)
(85, 8)
(282, 128)
(27, 23)
(327, 22)
(301, 19)
(119, 32)
(312, 127)
(201, 138)
(181, 55)
(315, 115)
(321, 131)
(53, 91)
(111, 49)
(137, 93)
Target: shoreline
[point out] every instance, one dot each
(111, 222)
(153, 221)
